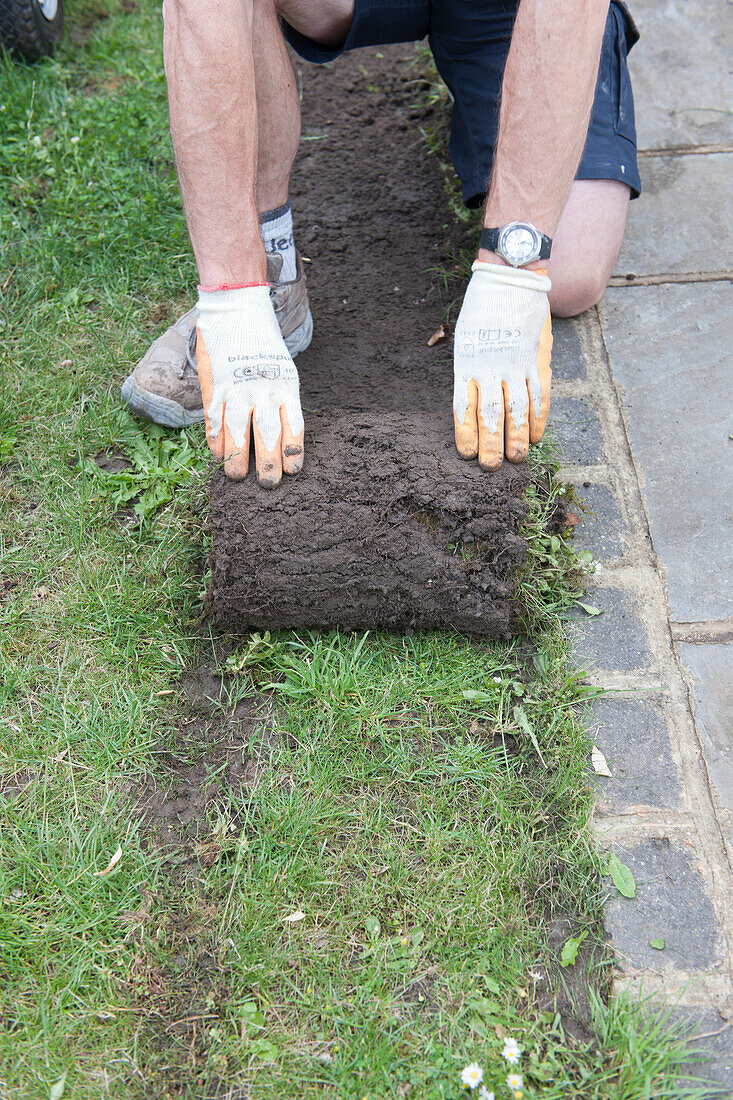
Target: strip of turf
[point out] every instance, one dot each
(318, 866)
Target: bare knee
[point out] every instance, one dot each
(587, 244)
(574, 291)
(325, 21)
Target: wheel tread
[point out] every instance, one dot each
(20, 32)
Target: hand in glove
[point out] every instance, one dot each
(503, 340)
(249, 383)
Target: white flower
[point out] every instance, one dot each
(472, 1076)
(37, 142)
(515, 1081)
(536, 975)
(484, 1094)
(74, 140)
(512, 1051)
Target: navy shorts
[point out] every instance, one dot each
(470, 41)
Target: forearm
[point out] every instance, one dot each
(547, 96)
(213, 116)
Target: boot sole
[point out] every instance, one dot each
(300, 338)
(168, 413)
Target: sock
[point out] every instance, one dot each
(276, 228)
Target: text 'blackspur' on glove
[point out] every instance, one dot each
(249, 384)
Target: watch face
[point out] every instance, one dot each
(519, 243)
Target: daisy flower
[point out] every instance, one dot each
(484, 1094)
(472, 1076)
(512, 1051)
(515, 1082)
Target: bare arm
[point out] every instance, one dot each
(503, 339)
(547, 95)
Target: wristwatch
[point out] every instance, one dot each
(518, 243)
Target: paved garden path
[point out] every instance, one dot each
(648, 376)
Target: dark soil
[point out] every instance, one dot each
(218, 754)
(386, 527)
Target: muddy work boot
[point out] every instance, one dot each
(164, 386)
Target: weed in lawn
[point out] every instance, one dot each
(156, 464)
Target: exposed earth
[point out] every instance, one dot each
(386, 527)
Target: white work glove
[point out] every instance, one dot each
(248, 377)
(501, 360)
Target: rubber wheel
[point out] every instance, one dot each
(26, 31)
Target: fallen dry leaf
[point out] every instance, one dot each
(112, 863)
(442, 332)
(296, 916)
(599, 762)
(572, 519)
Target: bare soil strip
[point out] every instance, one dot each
(372, 533)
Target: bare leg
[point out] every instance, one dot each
(211, 90)
(586, 245)
(235, 119)
(278, 109)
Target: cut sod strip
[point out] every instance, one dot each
(275, 865)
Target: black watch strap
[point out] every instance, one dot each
(489, 240)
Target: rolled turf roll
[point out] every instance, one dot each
(385, 528)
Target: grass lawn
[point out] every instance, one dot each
(342, 866)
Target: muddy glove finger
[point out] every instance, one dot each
(267, 432)
(516, 420)
(490, 425)
(292, 443)
(465, 416)
(237, 442)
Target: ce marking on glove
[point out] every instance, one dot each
(498, 335)
(249, 374)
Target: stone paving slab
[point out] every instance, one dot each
(568, 359)
(603, 529)
(669, 350)
(683, 221)
(713, 1035)
(672, 904)
(633, 736)
(712, 669)
(681, 72)
(615, 640)
(573, 425)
